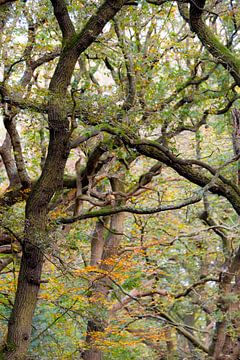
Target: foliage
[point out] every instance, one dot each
(149, 109)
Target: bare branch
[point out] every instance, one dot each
(193, 286)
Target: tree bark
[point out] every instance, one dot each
(36, 238)
(10, 126)
(222, 54)
(35, 243)
(101, 287)
(9, 163)
(226, 340)
(236, 138)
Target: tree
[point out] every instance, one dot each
(162, 84)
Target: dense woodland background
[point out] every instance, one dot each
(119, 193)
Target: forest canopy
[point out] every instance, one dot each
(120, 173)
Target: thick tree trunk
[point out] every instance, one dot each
(35, 243)
(20, 322)
(36, 238)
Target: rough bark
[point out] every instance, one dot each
(36, 238)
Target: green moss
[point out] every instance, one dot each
(217, 49)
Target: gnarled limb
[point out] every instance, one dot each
(223, 55)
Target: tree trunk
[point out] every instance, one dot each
(101, 288)
(226, 340)
(10, 126)
(20, 322)
(9, 163)
(36, 238)
(35, 244)
(236, 139)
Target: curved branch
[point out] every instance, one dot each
(8, 161)
(185, 168)
(179, 327)
(10, 126)
(110, 211)
(223, 55)
(193, 286)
